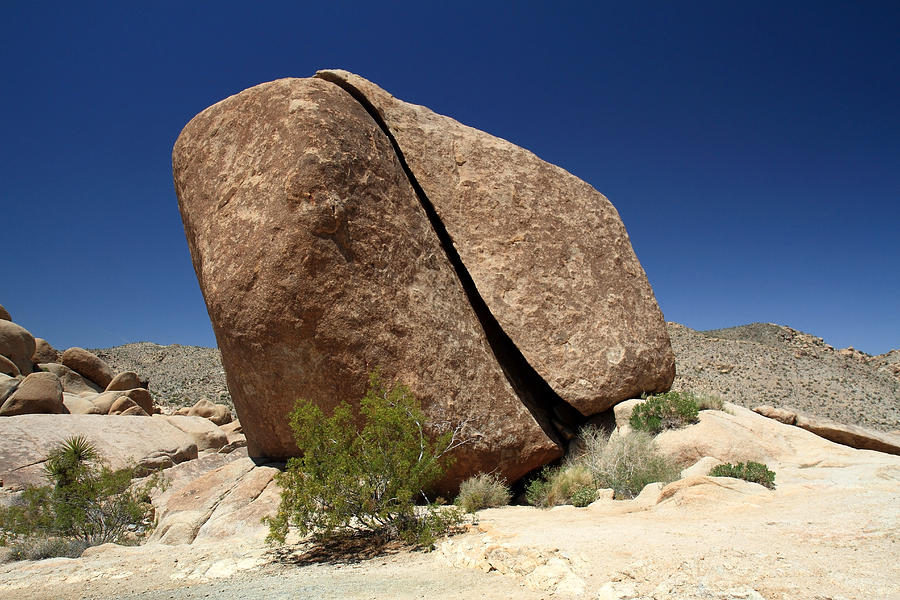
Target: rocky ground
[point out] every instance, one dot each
(762, 363)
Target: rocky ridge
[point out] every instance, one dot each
(764, 363)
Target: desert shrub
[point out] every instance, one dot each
(753, 472)
(625, 463)
(484, 490)
(87, 504)
(664, 411)
(368, 479)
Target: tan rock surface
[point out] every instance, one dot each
(4, 314)
(89, 365)
(38, 393)
(141, 397)
(71, 381)
(25, 441)
(77, 405)
(351, 275)
(16, 344)
(204, 433)
(44, 352)
(850, 435)
(122, 404)
(8, 367)
(547, 252)
(217, 413)
(105, 401)
(126, 380)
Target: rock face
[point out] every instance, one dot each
(517, 288)
(217, 413)
(547, 252)
(44, 352)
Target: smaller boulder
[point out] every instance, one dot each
(142, 398)
(16, 344)
(72, 382)
(205, 434)
(127, 380)
(88, 364)
(122, 404)
(8, 367)
(217, 413)
(38, 393)
(134, 411)
(782, 415)
(44, 352)
(78, 405)
(4, 314)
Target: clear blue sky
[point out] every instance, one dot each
(752, 148)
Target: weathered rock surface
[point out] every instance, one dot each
(547, 252)
(105, 401)
(71, 381)
(89, 365)
(141, 397)
(16, 344)
(26, 440)
(217, 413)
(4, 314)
(8, 385)
(44, 352)
(351, 276)
(121, 404)
(38, 393)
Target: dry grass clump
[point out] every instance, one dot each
(624, 463)
(485, 490)
(709, 402)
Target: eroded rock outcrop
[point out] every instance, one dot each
(334, 229)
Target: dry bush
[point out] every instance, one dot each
(485, 490)
(625, 463)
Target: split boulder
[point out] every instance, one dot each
(352, 275)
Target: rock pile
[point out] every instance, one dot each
(35, 378)
(503, 290)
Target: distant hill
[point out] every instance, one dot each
(764, 363)
(754, 364)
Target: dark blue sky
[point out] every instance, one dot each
(752, 148)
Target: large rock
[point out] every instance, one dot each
(78, 405)
(44, 352)
(203, 433)
(38, 393)
(16, 344)
(547, 252)
(88, 364)
(26, 440)
(72, 382)
(351, 275)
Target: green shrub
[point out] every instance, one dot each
(557, 486)
(87, 504)
(584, 496)
(665, 411)
(484, 490)
(625, 463)
(368, 479)
(753, 472)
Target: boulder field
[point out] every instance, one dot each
(335, 229)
